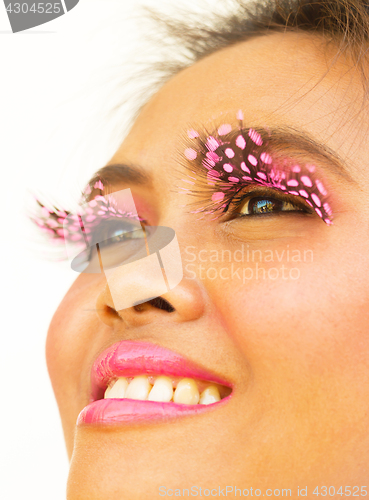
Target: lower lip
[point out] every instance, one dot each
(130, 411)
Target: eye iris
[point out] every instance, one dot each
(264, 205)
(118, 235)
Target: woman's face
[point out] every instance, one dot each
(292, 341)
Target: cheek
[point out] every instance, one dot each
(68, 341)
(306, 345)
(301, 301)
(293, 332)
(318, 311)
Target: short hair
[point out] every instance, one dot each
(341, 23)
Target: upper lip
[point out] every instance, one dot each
(129, 358)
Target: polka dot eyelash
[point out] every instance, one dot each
(229, 160)
(61, 225)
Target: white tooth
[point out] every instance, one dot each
(117, 390)
(162, 390)
(209, 395)
(138, 388)
(186, 392)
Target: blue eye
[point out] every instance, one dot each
(117, 233)
(259, 202)
(109, 233)
(260, 205)
(118, 240)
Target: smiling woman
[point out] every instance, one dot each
(251, 376)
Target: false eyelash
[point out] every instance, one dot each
(263, 192)
(61, 225)
(221, 164)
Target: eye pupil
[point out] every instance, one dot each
(118, 234)
(110, 233)
(264, 205)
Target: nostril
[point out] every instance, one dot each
(161, 303)
(157, 302)
(112, 312)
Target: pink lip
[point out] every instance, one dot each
(129, 358)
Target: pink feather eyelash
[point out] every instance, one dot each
(232, 159)
(61, 225)
(229, 160)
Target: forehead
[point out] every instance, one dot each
(279, 79)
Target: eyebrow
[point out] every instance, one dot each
(121, 172)
(279, 139)
(283, 139)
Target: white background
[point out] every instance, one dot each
(58, 83)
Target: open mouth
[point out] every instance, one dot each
(139, 381)
(164, 389)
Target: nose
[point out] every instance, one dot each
(185, 302)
